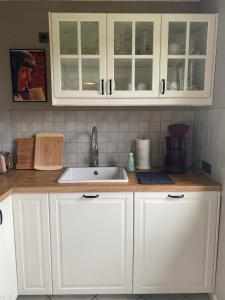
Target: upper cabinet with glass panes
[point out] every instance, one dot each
(187, 55)
(132, 59)
(78, 55)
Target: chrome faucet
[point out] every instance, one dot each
(94, 147)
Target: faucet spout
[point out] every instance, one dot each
(94, 147)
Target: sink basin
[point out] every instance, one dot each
(93, 175)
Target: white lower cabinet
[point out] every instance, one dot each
(82, 243)
(32, 236)
(8, 278)
(175, 240)
(92, 243)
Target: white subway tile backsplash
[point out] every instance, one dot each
(26, 126)
(70, 116)
(134, 126)
(91, 116)
(123, 127)
(58, 116)
(69, 126)
(123, 116)
(37, 126)
(155, 136)
(112, 137)
(36, 116)
(81, 127)
(70, 158)
(83, 159)
(155, 126)
(47, 116)
(165, 116)
(26, 116)
(112, 127)
(102, 137)
(103, 159)
(83, 147)
(82, 137)
(144, 116)
(144, 127)
(122, 158)
(117, 131)
(112, 147)
(155, 116)
(134, 116)
(112, 116)
(102, 126)
(123, 136)
(102, 116)
(81, 116)
(123, 147)
(112, 159)
(15, 116)
(102, 147)
(70, 147)
(5, 147)
(71, 137)
(59, 126)
(47, 126)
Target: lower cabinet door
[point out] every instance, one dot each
(8, 276)
(92, 242)
(175, 242)
(32, 236)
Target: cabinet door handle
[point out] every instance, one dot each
(102, 87)
(163, 86)
(176, 196)
(1, 217)
(90, 197)
(110, 86)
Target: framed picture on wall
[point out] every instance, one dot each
(28, 72)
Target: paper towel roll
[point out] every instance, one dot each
(143, 154)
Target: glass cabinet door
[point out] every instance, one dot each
(187, 52)
(133, 55)
(79, 55)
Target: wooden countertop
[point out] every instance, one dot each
(8, 181)
(31, 181)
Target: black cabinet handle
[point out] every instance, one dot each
(1, 217)
(110, 86)
(163, 86)
(102, 87)
(176, 196)
(90, 197)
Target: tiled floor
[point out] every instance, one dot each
(121, 297)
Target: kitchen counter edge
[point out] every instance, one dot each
(32, 181)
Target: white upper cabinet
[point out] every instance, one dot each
(78, 55)
(187, 55)
(132, 59)
(133, 55)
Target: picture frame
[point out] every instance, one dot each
(28, 73)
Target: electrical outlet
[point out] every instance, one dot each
(206, 167)
(43, 37)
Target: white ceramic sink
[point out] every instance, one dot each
(92, 174)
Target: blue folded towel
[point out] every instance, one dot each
(154, 178)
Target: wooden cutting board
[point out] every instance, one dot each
(25, 153)
(48, 151)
